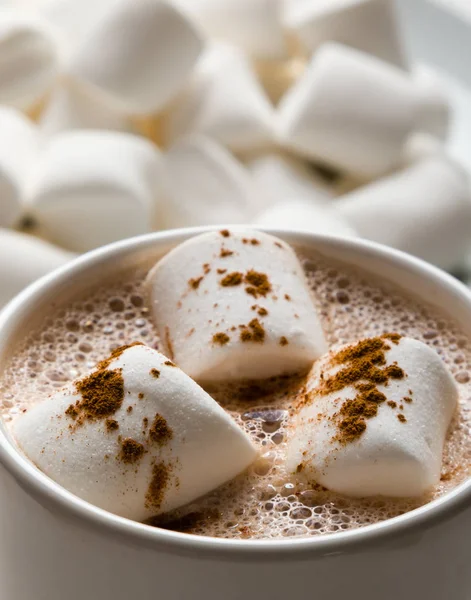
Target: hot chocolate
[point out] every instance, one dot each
(265, 501)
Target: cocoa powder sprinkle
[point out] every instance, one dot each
(258, 284)
(225, 233)
(402, 418)
(254, 332)
(169, 363)
(157, 486)
(131, 451)
(194, 283)
(231, 279)
(159, 432)
(221, 338)
(102, 394)
(225, 253)
(283, 341)
(155, 373)
(111, 425)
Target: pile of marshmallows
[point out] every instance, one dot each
(229, 306)
(122, 117)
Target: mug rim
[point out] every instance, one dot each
(53, 496)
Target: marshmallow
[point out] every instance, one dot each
(282, 177)
(137, 55)
(19, 151)
(29, 59)
(349, 110)
(424, 210)
(386, 439)
(224, 101)
(434, 110)
(253, 25)
(204, 184)
(95, 187)
(23, 259)
(234, 305)
(368, 25)
(174, 445)
(301, 215)
(418, 147)
(70, 107)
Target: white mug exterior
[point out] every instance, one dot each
(55, 546)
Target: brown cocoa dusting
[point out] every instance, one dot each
(131, 451)
(283, 341)
(263, 312)
(232, 279)
(111, 425)
(254, 332)
(159, 432)
(102, 393)
(140, 396)
(157, 486)
(155, 373)
(206, 268)
(402, 418)
(221, 338)
(225, 253)
(225, 233)
(392, 404)
(169, 363)
(168, 342)
(194, 283)
(221, 271)
(287, 297)
(129, 409)
(145, 422)
(407, 399)
(258, 284)
(72, 412)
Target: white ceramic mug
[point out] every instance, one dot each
(55, 546)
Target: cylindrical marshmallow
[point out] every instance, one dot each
(434, 104)
(424, 210)
(349, 110)
(19, 151)
(204, 184)
(225, 101)
(302, 215)
(234, 305)
(369, 439)
(420, 146)
(23, 259)
(71, 107)
(283, 178)
(368, 25)
(95, 187)
(138, 55)
(29, 59)
(166, 442)
(252, 25)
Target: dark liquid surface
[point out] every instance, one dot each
(265, 502)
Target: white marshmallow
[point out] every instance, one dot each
(420, 146)
(424, 210)
(282, 177)
(138, 55)
(19, 151)
(192, 302)
(95, 187)
(29, 59)
(302, 215)
(349, 110)
(70, 107)
(204, 184)
(253, 25)
(23, 259)
(205, 450)
(392, 457)
(435, 110)
(368, 25)
(224, 101)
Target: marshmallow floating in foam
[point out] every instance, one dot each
(302, 215)
(435, 109)
(380, 434)
(29, 59)
(234, 304)
(158, 442)
(137, 54)
(23, 259)
(282, 177)
(368, 25)
(424, 210)
(225, 101)
(95, 187)
(349, 110)
(71, 107)
(253, 25)
(204, 184)
(19, 151)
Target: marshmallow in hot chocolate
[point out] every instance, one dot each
(137, 437)
(374, 418)
(234, 304)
